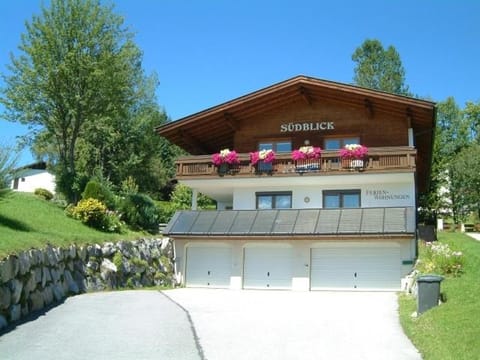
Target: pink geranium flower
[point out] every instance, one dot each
(306, 152)
(353, 151)
(225, 156)
(267, 156)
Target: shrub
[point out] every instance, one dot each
(69, 210)
(59, 200)
(165, 211)
(112, 222)
(139, 211)
(96, 190)
(90, 211)
(440, 259)
(94, 213)
(129, 186)
(43, 193)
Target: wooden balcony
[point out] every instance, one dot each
(391, 159)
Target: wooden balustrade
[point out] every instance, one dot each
(377, 160)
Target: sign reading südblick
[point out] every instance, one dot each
(307, 126)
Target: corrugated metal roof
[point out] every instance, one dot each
(395, 220)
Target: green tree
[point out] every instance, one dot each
(472, 115)
(127, 147)
(181, 198)
(78, 69)
(464, 173)
(7, 165)
(452, 131)
(452, 135)
(379, 69)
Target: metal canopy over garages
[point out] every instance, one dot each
(292, 222)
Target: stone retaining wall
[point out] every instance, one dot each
(33, 279)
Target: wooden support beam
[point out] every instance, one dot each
(231, 121)
(409, 117)
(305, 95)
(369, 108)
(194, 142)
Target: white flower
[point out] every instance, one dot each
(262, 154)
(224, 152)
(352, 147)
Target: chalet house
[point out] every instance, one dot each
(33, 176)
(322, 221)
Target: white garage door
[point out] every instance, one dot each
(350, 266)
(267, 268)
(208, 266)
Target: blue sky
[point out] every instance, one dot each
(206, 52)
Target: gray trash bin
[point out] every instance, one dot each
(428, 292)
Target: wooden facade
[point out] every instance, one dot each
(315, 110)
(312, 224)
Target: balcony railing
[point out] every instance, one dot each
(378, 160)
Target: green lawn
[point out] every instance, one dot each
(27, 221)
(451, 330)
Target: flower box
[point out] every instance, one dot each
(226, 162)
(353, 156)
(262, 161)
(306, 152)
(267, 156)
(353, 151)
(307, 159)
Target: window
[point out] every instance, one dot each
(274, 200)
(334, 199)
(277, 146)
(338, 143)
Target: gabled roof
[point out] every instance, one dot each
(39, 165)
(30, 169)
(292, 222)
(208, 131)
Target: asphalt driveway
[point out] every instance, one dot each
(133, 325)
(296, 325)
(214, 324)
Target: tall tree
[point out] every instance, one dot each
(452, 135)
(379, 69)
(78, 68)
(472, 115)
(452, 131)
(464, 174)
(122, 147)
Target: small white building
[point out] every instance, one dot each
(33, 176)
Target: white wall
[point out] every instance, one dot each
(387, 195)
(301, 257)
(34, 180)
(378, 195)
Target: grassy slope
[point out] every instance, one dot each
(27, 221)
(452, 330)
